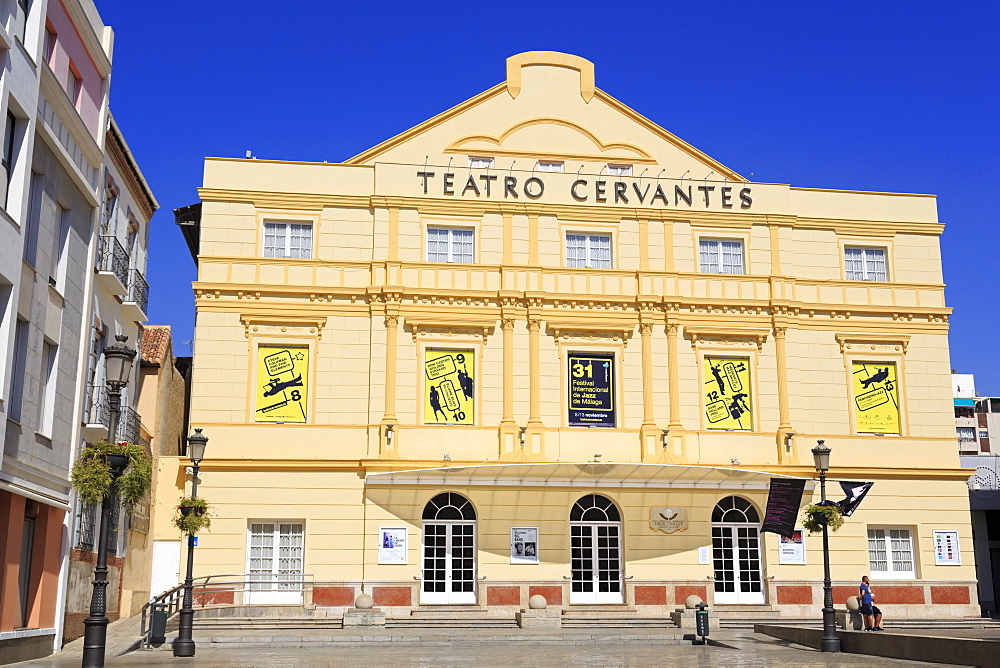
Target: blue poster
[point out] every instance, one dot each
(591, 390)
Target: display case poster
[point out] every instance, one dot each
(449, 382)
(282, 383)
(792, 549)
(524, 545)
(946, 551)
(591, 390)
(876, 397)
(727, 392)
(392, 545)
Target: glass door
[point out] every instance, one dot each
(449, 563)
(275, 564)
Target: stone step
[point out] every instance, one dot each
(477, 622)
(935, 623)
(220, 623)
(605, 622)
(586, 610)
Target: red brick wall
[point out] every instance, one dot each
(949, 594)
(681, 592)
(842, 593)
(204, 596)
(333, 596)
(503, 596)
(795, 595)
(391, 595)
(898, 594)
(650, 595)
(553, 595)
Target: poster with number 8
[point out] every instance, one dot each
(282, 380)
(449, 386)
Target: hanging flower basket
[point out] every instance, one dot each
(193, 515)
(102, 467)
(816, 516)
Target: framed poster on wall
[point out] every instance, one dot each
(449, 382)
(524, 545)
(591, 390)
(392, 545)
(792, 549)
(876, 397)
(728, 394)
(946, 552)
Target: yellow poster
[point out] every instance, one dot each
(449, 380)
(876, 397)
(282, 380)
(727, 392)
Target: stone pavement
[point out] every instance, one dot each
(419, 647)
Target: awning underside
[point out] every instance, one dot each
(584, 474)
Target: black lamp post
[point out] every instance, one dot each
(184, 644)
(830, 642)
(118, 367)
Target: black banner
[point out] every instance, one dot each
(783, 502)
(591, 390)
(855, 492)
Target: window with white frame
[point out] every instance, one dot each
(588, 251)
(275, 555)
(620, 170)
(721, 256)
(450, 244)
(890, 552)
(966, 433)
(47, 401)
(287, 239)
(480, 162)
(551, 166)
(865, 264)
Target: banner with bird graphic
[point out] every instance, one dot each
(282, 382)
(876, 397)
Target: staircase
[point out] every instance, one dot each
(451, 617)
(612, 617)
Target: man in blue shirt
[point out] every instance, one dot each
(873, 616)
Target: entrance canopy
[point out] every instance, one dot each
(584, 474)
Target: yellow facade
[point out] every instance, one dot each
(467, 321)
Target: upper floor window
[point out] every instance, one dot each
(74, 84)
(50, 43)
(9, 155)
(479, 162)
(588, 251)
(551, 166)
(110, 207)
(721, 256)
(890, 552)
(285, 239)
(966, 434)
(620, 170)
(20, 19)
(865, 264)
(450, 244)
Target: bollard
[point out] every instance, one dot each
(701, 621)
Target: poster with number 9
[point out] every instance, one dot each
(449, 386)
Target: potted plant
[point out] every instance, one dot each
(104, 466)
(192, 515)
(818, 515)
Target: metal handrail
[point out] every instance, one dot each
(113, 258)
(138, 290)
(174, 598)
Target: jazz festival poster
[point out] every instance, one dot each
(449, 381)
(876, 397)
(282, 381)
(592, 390)
(727, 392)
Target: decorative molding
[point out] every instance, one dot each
(420, 326)
(507, 324)
(861, 342)
(590, 331)
(391, 320)
(727, 336)
(281, 324)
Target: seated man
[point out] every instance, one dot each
(873, 616)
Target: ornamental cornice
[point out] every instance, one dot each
(283, 324)
(734, 336)
(563, 330)
(467, 327)
(856, 342)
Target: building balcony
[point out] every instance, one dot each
(112, 266)
(98, 418)
(137, 297)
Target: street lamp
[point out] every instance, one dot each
(118, 367)
(184, 644)
(830, 642)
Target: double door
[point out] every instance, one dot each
(275, 551)
(449, 563)
(737, 564)
(595, 553)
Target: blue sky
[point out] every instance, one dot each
(882, 96)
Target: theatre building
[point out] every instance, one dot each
(538, 344)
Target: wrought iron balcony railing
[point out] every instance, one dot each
(99, 412)
(138, 289)
(113, 258)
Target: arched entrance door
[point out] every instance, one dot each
(736, 556)
(595, 527)
(449, 548)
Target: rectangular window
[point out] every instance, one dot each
(110, 208)
(984, 434)
(588, 251)
(477, 162)
(890, 552)
(50, 43)
(865, 264)
(291, 240)
(86, 522)
(275, 561)
(20, 19)
(721, 256)
(74, 84)
(35, 188)
(17, 371)
(966, 434)
(620, 170)
(551, 166)
(450, 244)
(47, 401)
(9, 155)
(60, 250)
(449, 387)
